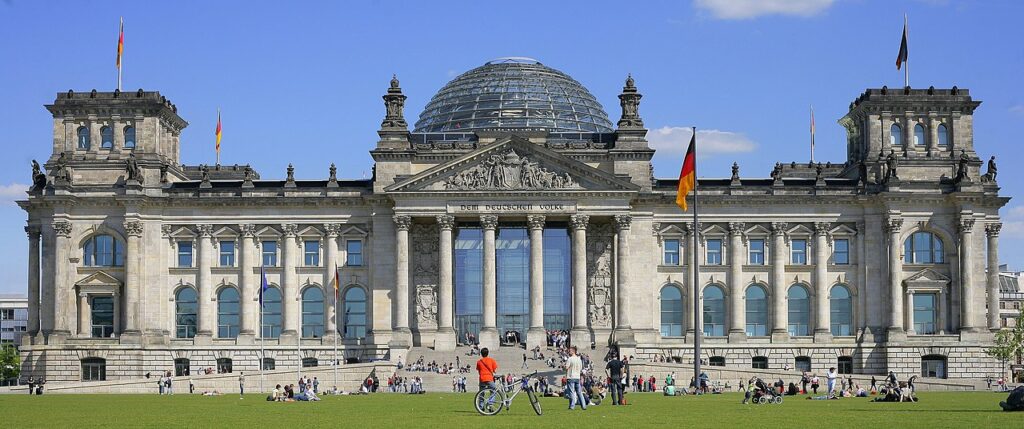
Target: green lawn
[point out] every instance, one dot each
(400, 411)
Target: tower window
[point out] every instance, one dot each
(896, 135)
(919, 139)
(83, 138)
(129, 137)
(943, 136)
(107, 137)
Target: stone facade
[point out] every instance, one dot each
(171, 291)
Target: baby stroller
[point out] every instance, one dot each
(765, 393)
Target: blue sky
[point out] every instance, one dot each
(301, 82)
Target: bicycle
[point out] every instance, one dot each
(490, 401)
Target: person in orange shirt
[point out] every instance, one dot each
(486, 366)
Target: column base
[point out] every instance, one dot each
(246, 338)
(822, 336)
(288, 338)
(623, 336)
(536, 337)
(972, 334)
(737, 336)
(203, 339)
(401, 337)
(445, 339)
(131, 337)
(894, 335)
(580, 337)
(689, 335)
(780, 336)
(57, 337)
(489, 338)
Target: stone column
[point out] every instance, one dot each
(968, 323)
(248, 286)
(291, 316)
(780, 324)
(63, 293)
(908, 311)
(48, 277)
(33, 280)
(822, 331)
(535, 335)
(992, 233)
(489, 331)
(84, 327)
(893, 226)
(330, 270)
(116, 297)
(580, 335)
(623, 334)
(204, 278)
(737, 312)
(132, 295)
(445, 338)
(402, 335)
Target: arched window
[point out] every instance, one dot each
(759, 362)
(106, 137)
(129, 137)
(103, 251)
(186, 306)
(310, 362)
(841, 311)
(354, 322)
(227, 313)
(312, 312)
(799, 311)
(671, 311)
(272, 313)
(896, 135)
(919, 139)
(943, 136)
(757, 311)
(223, 365)
(83, 138)
(923, 248)
(716, 361)
(94, 369)
(181, 367)
(714, 311)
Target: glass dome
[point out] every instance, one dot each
(513, 92)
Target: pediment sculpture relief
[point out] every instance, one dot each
(509, 171)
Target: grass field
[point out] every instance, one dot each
(398, 411)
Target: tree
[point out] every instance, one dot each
(1009, 342)
(10, 363)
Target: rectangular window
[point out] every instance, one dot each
(714, 252)
(227, 253)
(925, 313)
(269, 253)
(842, 252)
(798, 256)
(311, 253)
(184, 254)
(756, 252)
(671, 252)
(354, 252)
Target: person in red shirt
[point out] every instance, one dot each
(486, 366)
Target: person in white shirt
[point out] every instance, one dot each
(832, 375)
(573, 370)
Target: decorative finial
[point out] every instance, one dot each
(629, 99)
(394, 81)
(394, 102)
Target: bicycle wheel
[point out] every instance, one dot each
(778, 400)
(488, 402)
(534, 401)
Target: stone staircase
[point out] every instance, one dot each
(510, 359)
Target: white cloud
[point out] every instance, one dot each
(749, 9)
(1013, 222)
(674, 140)
(13, 192)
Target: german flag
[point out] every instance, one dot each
(688, 174)
(120, 44)
(218, 130)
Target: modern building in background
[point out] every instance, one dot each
(1011, 296)
(514, 205)
(13, 318)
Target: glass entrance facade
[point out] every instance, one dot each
(512, 258)
(557, 278)
(469, 279)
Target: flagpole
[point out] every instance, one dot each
(906, 62)
(812, 134)
(218, 136)
(262, 352)
(337, 288)
(120, 48)
(698, 330)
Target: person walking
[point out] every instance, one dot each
(191, 387)
(831, 375)
(573, 370)
(613, 369)
(170, 383)
(241, 385)
(815, 382)
(524, 360)
(316, 385)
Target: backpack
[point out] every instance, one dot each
(270, 398)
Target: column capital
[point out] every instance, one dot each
(966, 225)
(489, 221)
(33, 231)
(893, 224)
(62, 228)
(536, 222)
(779, 228)
(205, 230)
(133, 228)
(446, 222)
(992, 229)
(332, 229)
(402, 222)
(622, 222)
(289, 229)
(579, 221)
(166, 230)
(736, 228)
(247, 229)
(690, 229)
(821, 228)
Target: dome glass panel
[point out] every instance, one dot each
(513, 93)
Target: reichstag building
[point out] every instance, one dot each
(512, 205)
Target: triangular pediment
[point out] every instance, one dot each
(927, 275)
(510, 165)
(99, 278)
